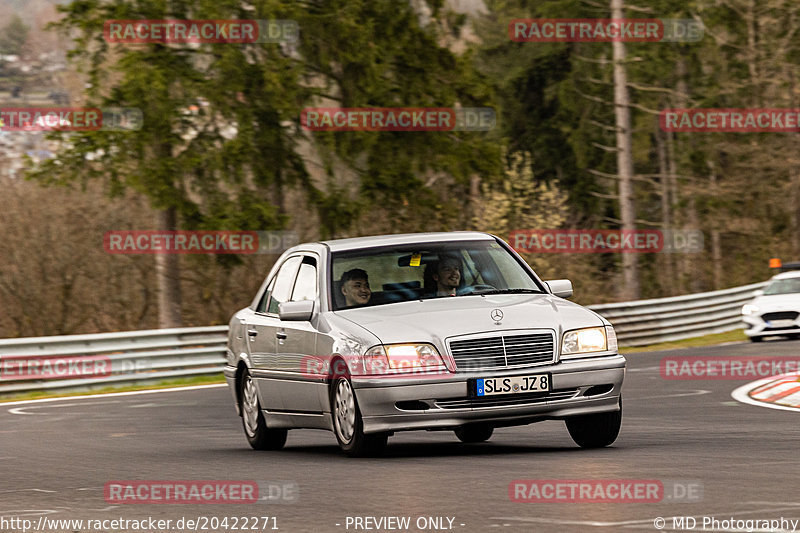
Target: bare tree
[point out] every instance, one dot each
(630, 262)
(168, 275)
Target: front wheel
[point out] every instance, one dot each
(348, 424)
(756, 339)
(258, 434)
(595, 431)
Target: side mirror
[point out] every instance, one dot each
(759, 292)
(560, 287)
(300, 311)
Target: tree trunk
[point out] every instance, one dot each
(716, 257)
(752, 53)
(794, 175)
(693, 267)
(678, 285)
(630, 261)
(665, 260)
(716, 246)
(168, 277)
(794, 207)
(474, 200)
(689, 268)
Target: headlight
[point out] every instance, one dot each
(585, 340)
(399, 358)
(749, 309)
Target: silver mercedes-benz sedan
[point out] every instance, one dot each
(437, 331)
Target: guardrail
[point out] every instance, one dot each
(154, 355)
(645, 322)
(126, 357)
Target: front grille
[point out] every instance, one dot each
(507, 400)
(780, 315)
(503, 351)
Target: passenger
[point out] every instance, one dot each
(443, 277)
(355, 287)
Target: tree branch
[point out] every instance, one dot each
(605, 148)
(603, 126)
(604, 196)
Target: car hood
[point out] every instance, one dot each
(440, 318)
(777, 302)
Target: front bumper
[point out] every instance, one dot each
(579, 387)
(755, 326)
(230, 378)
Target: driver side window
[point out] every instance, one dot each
(284, 282)
(305, 288)
(262, 304)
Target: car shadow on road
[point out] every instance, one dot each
(420, 450)
(441, 449)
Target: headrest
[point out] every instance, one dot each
(338, 297)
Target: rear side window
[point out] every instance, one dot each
(284, 281)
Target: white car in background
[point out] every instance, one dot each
(775, 310)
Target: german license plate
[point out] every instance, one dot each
(780, 323)
(513, 385)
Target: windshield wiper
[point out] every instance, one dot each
(481, 292)
(510, 291)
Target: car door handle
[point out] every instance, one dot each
(281, 335)
(252, 332)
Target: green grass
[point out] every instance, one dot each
(736, 335)
(165, 384)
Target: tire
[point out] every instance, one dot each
(258, 434)
(474, 433)
(756, 339)
(348, 425)
(595, 431)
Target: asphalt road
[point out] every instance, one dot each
(56, 458)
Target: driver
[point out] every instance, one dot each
(445, 274)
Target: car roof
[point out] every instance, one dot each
(356, 243)
(790, 274)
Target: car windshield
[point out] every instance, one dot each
(378, 276)
(783, 286)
